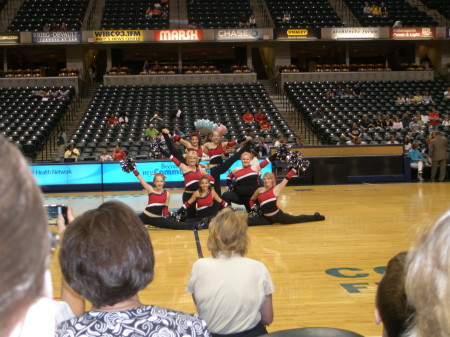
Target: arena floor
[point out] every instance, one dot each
(325, 273)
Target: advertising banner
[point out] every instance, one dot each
(67, 174)
(178, 35)
(9, 38)
(298, 34)
(351, 33)
(240, 34)
(56, 37)
(118, 35)
(412, 32)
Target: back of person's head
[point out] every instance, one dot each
(428, 280)
(106, 254)
(228, 233)
(391, 303)
(24, 239)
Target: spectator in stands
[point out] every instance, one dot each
(63, 26)
(261, 148)
(298, 141)
(243, 21)
(107, 257)
(355, 132)
(378, 123)
(156, 119)
(260, 116)
(155, 66)
(148, 14)
(446, 123)
(405, 120)
(414, 126)
(64, 94)
(330, 93)
(118, 154)
(357, 91)
(387, 123)
(92, 73)
(104, 156)
(286, 17)
(397, 124)
(247, 117)
(383, 10)
(146, 66)
(375, 10)
(424, 118)
(447, 93)
(280, 140)
(342, 140)
(177, 113)
(264, 125)
(398, 23)
(72, 152)
(433, 119)
(406, 144)
(366, 9)
(241, 285)
(113, 120)
(339, 91)
(123, 119)
(438, 153)
(400, 99)
(427, 99)
(54, 27)
(391, 305)
(348, 92)
(151, 132)
(46, 27)
(61, 140)
(418, 98)
(392, 140)
(365, 123)
(252, 21)
(409, 99)
(417, 160)
(318, 115)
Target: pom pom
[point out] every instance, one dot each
(155, 150)
(222, 129)
(255, 211)
(296, 161)
(205, 126)
(128, 164)
(283, 151)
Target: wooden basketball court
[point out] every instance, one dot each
(325, 273)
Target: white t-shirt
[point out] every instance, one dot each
(229, 292)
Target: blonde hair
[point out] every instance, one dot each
(247, 153)
(271, 175)
(192, 155)
(228, 233)
(159, 175)
(428, 280)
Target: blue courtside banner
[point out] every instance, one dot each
(67, 174)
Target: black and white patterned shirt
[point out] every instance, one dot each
(143, 321)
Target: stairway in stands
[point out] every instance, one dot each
(71, 120)
(288, 112)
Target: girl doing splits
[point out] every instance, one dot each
(267, 199)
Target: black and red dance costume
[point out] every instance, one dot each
(205, 208)
(157, 206)
(214, 171)
(199, 151)
(267, 201)
(247, 182)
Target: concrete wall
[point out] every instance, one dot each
(179, 79)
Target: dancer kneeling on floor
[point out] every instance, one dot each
(207, 201)
(157, 211)
(267, 199)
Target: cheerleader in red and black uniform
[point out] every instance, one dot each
(267, 199)
(215, 170)
(156, 213)
(192, 145)
(207, 202)
(246, 178)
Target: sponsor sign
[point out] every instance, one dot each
(118, 35)
(412, 32)
(67, 174)
(239, 34)
(178, 35)
(7, 38)
(355, 33)
(298, 34)
(56, 37)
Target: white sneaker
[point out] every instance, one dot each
(419, 176)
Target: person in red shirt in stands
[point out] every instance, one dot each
(264, 125)
(260, 116)
(248, 117)
(433, 119)
(118, 154)
(113, 120)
